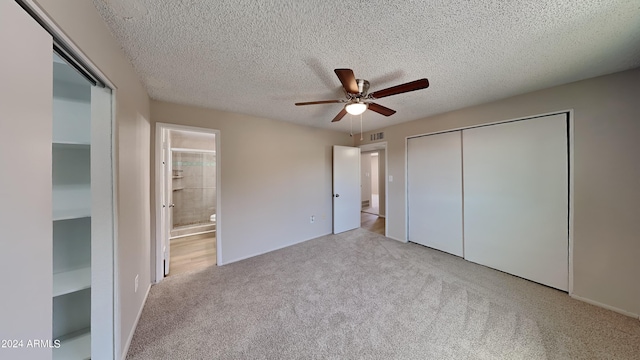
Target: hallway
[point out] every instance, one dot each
(373, 223)
(192, 253)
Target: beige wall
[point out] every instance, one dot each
(365, 176)
(191, 140)
(606, 170)
(274, 176)
(81, 22)
(382, 171)
(374, 174)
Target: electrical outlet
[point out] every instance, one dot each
(136, 283)
(312, 219)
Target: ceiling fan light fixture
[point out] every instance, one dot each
(356, 108)
(358, 98)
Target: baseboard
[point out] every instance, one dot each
(135, 325)
(268, 251)
(605, 306)
(193, 234)
(396, 239)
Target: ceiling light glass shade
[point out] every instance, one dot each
(356, 108)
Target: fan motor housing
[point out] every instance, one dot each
(363, 87)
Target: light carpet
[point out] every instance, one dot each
(359, 295)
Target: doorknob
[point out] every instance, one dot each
(337, 195)
(172, 205)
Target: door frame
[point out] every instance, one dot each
(571, 149)
(159, 188)
(382, 145)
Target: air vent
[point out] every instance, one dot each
(377, 136)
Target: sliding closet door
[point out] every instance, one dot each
(516, 198)
(25, 184)
(435, 191)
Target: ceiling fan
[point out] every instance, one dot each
(358, 97)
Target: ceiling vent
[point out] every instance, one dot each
(377, 136)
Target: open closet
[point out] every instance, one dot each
(57, 117)
(81, 208)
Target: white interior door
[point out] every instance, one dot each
(516, 198)
(435, 191)
(346, 188)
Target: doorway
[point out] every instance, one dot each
(187, 188)
(373, 187)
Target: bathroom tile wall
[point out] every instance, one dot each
(194, 192)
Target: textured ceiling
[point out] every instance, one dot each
(259, 57)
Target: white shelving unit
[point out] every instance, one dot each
(69, 214)
(70, 145)
(71, 281)
(72, 222)
(74, 347)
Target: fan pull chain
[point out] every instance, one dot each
(360, 127)
(351, 121)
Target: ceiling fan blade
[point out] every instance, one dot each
(381, 109)
(340, 115)
(319, 102)
(399, 89)
(348, 80)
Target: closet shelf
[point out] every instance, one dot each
(68, 214)
(71, 145)
(77, 347)
(71, 281)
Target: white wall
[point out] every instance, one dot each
(365, 177)
(607, 197)
(274, 176)
(382, 186)
(374, 173)
(81, 22)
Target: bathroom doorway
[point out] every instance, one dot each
(189, 205)
(373, 187)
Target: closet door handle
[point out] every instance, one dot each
(172, 205)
